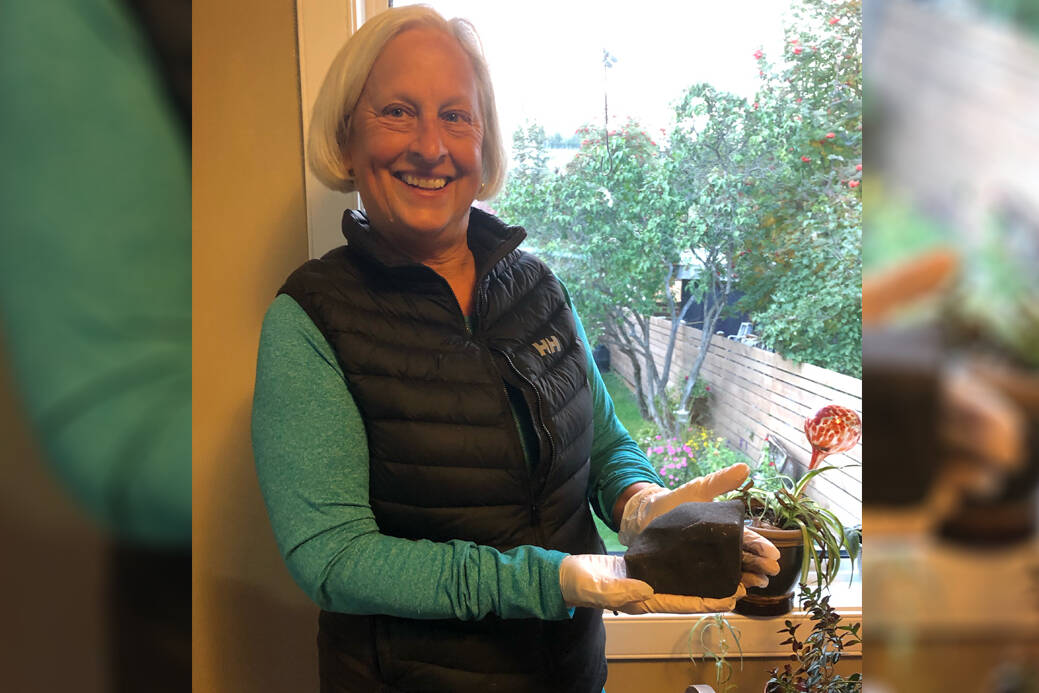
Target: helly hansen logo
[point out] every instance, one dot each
(548, 345)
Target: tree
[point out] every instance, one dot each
(801, 286)
(764, 195)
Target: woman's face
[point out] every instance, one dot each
(415, 140)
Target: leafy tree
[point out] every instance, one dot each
(764, 195)
(802, 284)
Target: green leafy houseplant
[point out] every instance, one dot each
(789, 508)
(815, 657)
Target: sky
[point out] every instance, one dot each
(546, 58)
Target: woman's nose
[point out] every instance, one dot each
(428, 143)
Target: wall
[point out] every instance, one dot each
(55, 573)
(253, 628)
(755, 393)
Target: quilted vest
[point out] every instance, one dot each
(446, 459)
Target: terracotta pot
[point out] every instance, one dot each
(778, 597)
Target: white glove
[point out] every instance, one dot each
(661, 603)
(599, 581)
(602, 582)
(760, 556)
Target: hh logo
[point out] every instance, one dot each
(549, 345)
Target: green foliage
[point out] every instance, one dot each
(802, 282)
(766, 476)
(765, 196)
(696, 454)
(815, 657)
(789, 508)
(718, 651)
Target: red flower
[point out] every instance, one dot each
(858, 167)
(834, 20)
(805, 159)
(758, 55)
(755, 105)
(799, 99)
(794, 41)
(830, 135)
(853, 184)
(797, 50)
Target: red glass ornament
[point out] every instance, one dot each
(832, 429)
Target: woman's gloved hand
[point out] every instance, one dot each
(760, 556)
(602, 582)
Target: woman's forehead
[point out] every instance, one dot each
(421, 61)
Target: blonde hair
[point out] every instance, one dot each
(345, 79)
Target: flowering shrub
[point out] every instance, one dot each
(679, 461)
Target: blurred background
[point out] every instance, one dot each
(951, 345)
(95, 361)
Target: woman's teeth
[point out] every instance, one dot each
(424, 183)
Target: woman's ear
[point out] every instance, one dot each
(343, 140)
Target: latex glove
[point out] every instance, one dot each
(760, 559)
(661, 603)
(760, 556)
(599, 581)
(602, 582)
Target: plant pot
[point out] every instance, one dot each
(777, 598)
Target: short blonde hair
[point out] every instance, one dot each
(344, 82)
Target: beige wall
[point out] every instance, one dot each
(253, 628)
(54, 570)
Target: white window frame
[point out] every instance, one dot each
(322, 26)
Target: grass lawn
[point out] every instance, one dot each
(628, 413)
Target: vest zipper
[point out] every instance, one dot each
(539, 538)
(540, 407)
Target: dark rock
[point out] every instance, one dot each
(696, 550)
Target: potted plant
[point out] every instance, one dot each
(792, 521)
(815, 658)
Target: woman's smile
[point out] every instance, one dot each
(423, 182)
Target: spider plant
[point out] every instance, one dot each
(718, 651)
(789, 508)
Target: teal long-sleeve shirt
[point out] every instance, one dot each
(312, 463)
(95, 262)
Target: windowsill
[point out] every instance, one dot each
(666, 636)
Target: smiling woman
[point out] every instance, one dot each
(431, 434)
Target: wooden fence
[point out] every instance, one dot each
(755, 393)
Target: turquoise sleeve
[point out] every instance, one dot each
(617, 460)
(312, 463)
(95, 262)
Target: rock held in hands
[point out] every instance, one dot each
(695, 549)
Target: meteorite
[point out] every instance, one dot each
(695, 549)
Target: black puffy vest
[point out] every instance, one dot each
(445, 454)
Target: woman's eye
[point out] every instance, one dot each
(395, 112)
(455, 117)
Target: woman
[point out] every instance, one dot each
(428, 424)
